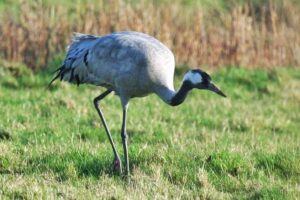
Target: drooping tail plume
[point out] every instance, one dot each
(61, 70)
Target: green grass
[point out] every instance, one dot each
(53, 145)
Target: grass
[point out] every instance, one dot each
(53, 145)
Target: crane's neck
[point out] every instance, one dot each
(181, 94)
(174, 98)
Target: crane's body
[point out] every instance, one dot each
(131, 64)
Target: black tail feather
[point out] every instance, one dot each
(60, 71)
(77, 80)
(72, 75)
(49, 85)
(63, 72)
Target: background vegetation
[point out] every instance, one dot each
(53, 146)
(200, 32)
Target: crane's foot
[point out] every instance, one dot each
(127, 172)
(117, 165)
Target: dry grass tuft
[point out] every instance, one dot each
(247, 35)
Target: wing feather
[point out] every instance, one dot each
(76, 60)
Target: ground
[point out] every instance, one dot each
(246, 146)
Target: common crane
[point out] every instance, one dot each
(132, 64)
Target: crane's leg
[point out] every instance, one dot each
(117, 164)
(124, 139)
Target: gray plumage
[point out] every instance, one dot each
(131, 64)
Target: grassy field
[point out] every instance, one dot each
(53, 145)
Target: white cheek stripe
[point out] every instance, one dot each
(193, 77)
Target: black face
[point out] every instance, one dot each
(207, 83)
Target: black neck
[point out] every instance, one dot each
(180, 96)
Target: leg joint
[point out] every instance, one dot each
(101, 96)
(124, 135)
(96, 100)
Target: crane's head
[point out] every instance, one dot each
(199, 79)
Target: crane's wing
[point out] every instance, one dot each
(76, 60)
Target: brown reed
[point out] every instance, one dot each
(246, 35)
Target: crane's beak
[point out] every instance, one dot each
(214, 88)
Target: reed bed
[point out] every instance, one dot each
(247, 34)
